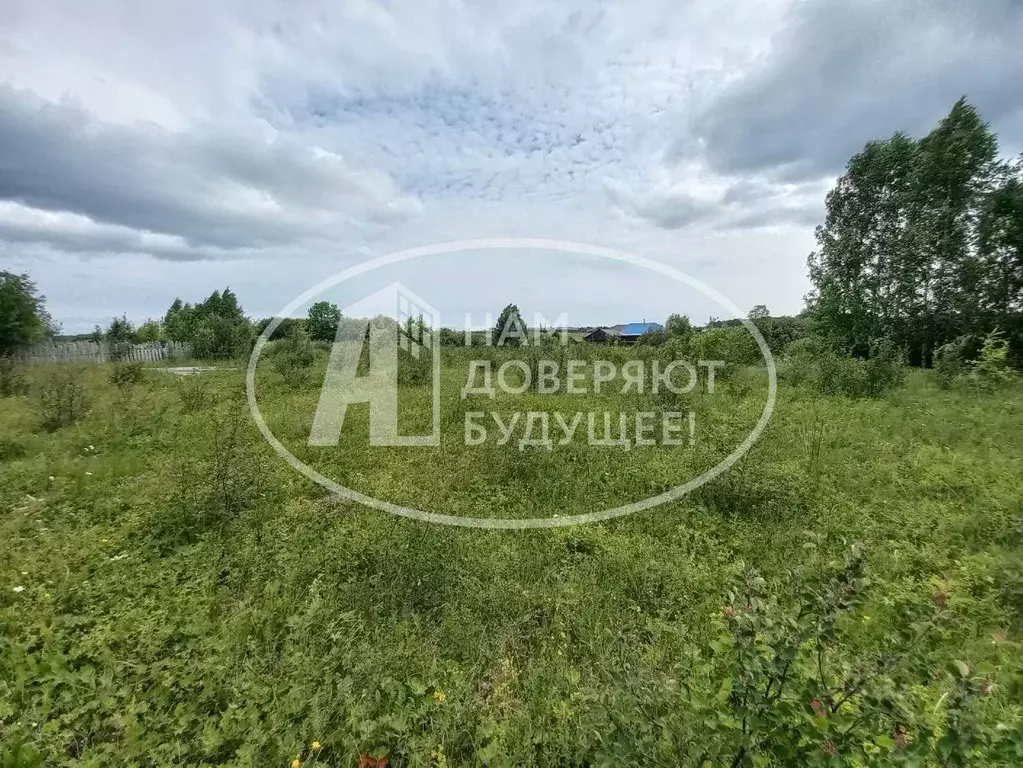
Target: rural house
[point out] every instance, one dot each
(631, 332)
(621, 334)
(601, 336)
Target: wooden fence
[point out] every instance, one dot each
(93, 352)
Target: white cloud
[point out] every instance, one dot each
(266, 143)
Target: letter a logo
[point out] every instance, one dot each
(414, 329)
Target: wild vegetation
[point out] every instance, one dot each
(172, 592)
(849, 593)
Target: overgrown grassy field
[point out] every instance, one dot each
(172, 593)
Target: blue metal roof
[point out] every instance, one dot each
(638, 329)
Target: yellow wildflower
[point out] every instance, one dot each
(440, 696)
(296, 763)
(316, 745)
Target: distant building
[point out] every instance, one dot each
(601, 336)
(631, 332)
(621, 334)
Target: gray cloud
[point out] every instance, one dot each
(209, 187)
(748, 203)
(272, 143)
(841, 73)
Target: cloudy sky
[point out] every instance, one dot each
(150, 150)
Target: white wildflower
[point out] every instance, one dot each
(19, 588)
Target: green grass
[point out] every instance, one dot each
(190, 599)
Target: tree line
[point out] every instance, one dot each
(922, 244)
(217, 327)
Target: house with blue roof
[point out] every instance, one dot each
(631, 332)
(621, 334)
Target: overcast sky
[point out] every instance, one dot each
(150, 149)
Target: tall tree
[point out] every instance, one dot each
(215, 328)
(324, 318)
(956, 169)
(1000, 245)
(23, 316)
(511, 328)
(907, 252)
(863, 245)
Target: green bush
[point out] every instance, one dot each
(12, 377)
(991, 369)
(971, 361)
(119, 338)
(799, 366)
(797, 696)
(884, 371)
(734, 345)
(811, 362)
(293, 356)
(219, 337)
(125, 375)
(228, 473)
(194, 393)
(11, 449)
(952, 360)
(62, 400)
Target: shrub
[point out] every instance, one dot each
(952, 360)
(62, 400)
(227, 474)
(795, 696)
(735, 345)
(810, 361)
(884, 371)
(12, 377)
(415, 368)
(119, 337)
(11, 449)
(194, 393)
(800, 364)
(973, 361)
(219, 337)
(127, 375)
(293, 356)
(991, 369)
(790, 687)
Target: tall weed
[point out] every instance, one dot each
(12, 377)
(62, 399)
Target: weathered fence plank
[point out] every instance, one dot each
(99, 352)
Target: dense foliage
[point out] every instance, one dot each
(923, 243)
(23, 316)
(510, 329)
(323, 321)
(215, 328)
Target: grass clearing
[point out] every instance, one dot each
(173, 593)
